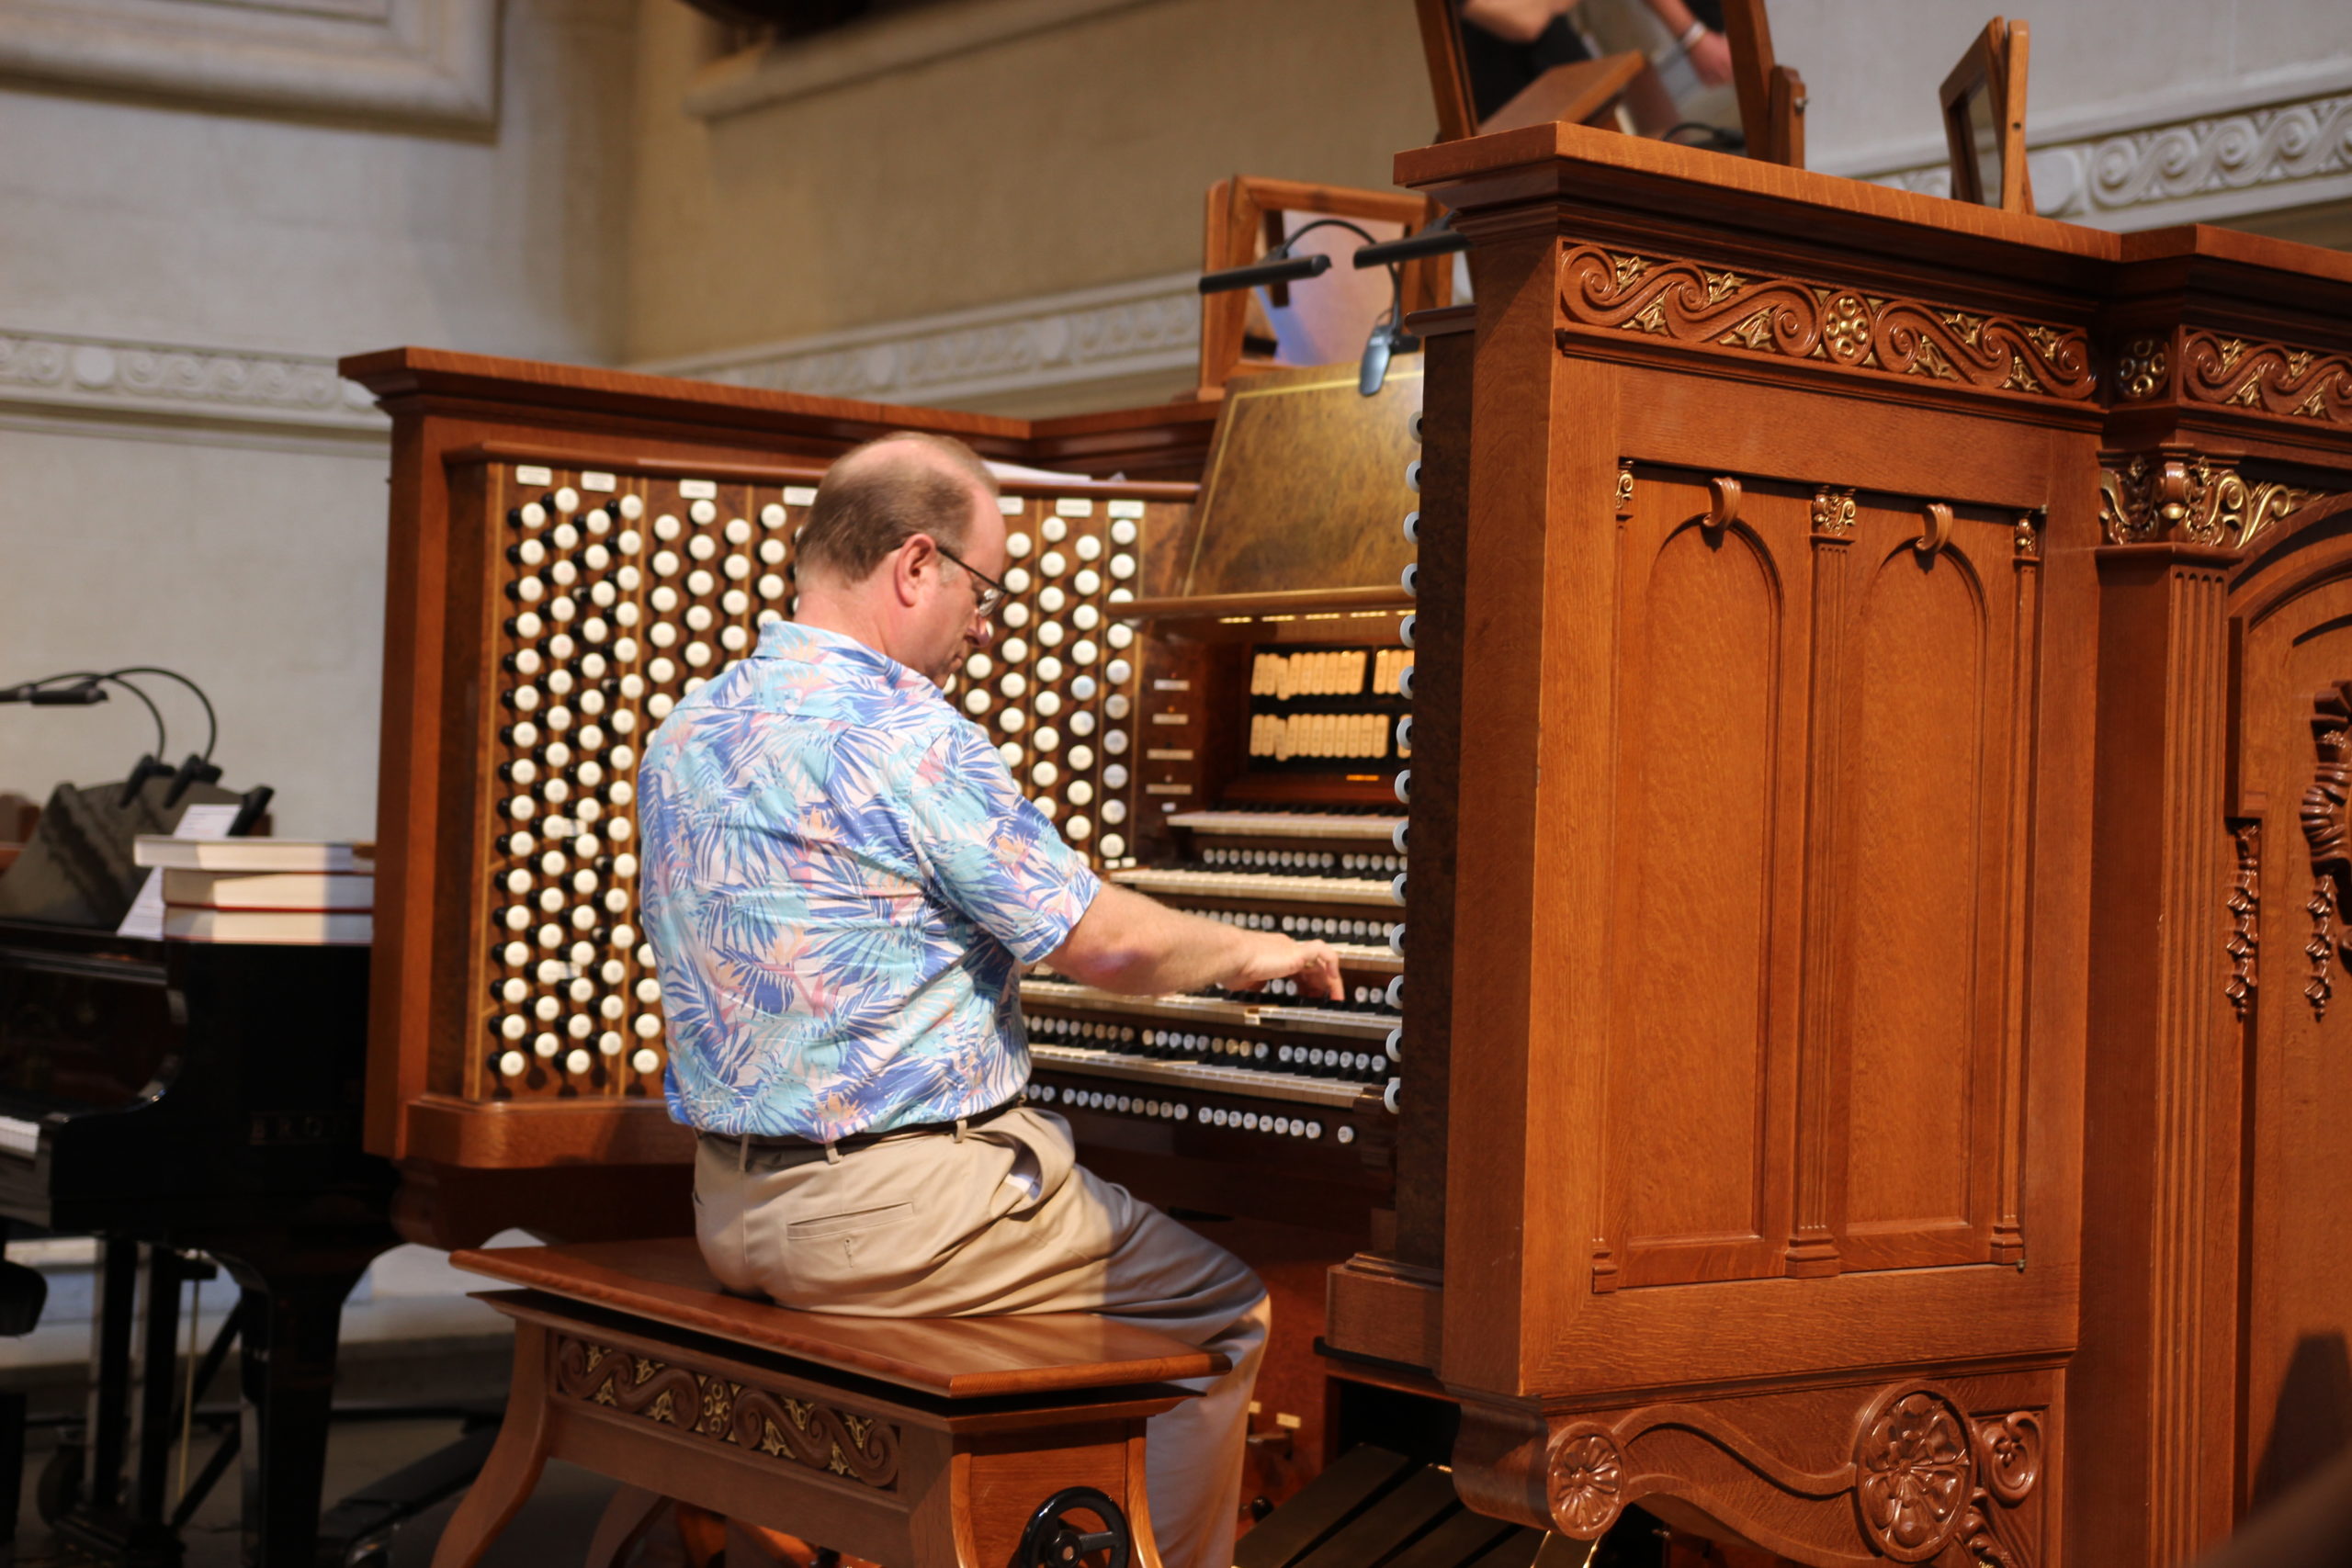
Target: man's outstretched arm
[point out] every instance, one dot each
(1138, 946)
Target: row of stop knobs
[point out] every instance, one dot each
(1404, 627)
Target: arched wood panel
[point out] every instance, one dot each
(1713, 668)
(2292, 999)
(1920, 965)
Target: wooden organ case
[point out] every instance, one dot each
(1858, 1072)
(1873, 690)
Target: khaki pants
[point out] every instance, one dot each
(1002, 1220)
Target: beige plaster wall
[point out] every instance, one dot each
(1069, 158)
(210, 531)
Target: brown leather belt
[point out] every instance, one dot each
(745, 1141)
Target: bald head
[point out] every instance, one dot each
(877, 496)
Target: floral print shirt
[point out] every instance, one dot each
(841, 881)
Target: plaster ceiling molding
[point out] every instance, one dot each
(784, 69)
(2259, 158)
(1146, 327)
(404, 60)
(112, 378)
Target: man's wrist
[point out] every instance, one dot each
(1692, 36)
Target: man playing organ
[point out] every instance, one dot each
(843, 883)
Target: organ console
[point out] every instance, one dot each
(1207, 705)
(1842, 667)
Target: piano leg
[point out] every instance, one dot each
(158, 1390)
(293, 1316)
(111, 1321)
(119, 1518)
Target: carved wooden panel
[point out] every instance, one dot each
(1921, 966)
(1820, 880)
(2291, 761)
(1713, 671)
(862, 1448)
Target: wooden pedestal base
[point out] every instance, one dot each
(918, 1443)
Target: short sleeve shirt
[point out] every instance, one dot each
(842, 883)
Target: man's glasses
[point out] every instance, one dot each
(985, 605)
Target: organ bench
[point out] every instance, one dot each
(921, 1443)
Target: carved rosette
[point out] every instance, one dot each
(2143, 369)
(2188, 498)
(861, 1449)
(1584, 1480)
(1914, 1471)
(1834, 326)
(2269, 377)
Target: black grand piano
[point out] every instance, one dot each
(178, 1098)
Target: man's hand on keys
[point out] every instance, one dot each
(1313, 965)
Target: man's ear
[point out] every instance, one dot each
(908, 563)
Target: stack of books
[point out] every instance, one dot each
(272, 890)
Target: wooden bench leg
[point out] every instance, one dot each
(514, 1466)
(627, 1517)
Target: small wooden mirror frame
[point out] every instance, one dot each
(1771, 95)
(1247, 217)
(1984, 107)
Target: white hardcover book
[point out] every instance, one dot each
(251, 854)
(294, 927)
(302, 890)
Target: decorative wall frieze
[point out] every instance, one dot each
(1148, 327)
(2181, 497)
(1829, 324)
(113, 377)
(863, 1448)
(433, 61)
(2294, 150)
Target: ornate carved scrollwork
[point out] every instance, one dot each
(2246, 918)
(2328, 833)
(1833, 512)
(2029, 535)
(1923, 1478)
(2188, 498)
(1625, 487)
(1838, 326)
(863, 1448)
(2269, 378)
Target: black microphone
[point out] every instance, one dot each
(1388, 339)
(82, 696)
(1278, 269)
(194, 770)
(1434, 242)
